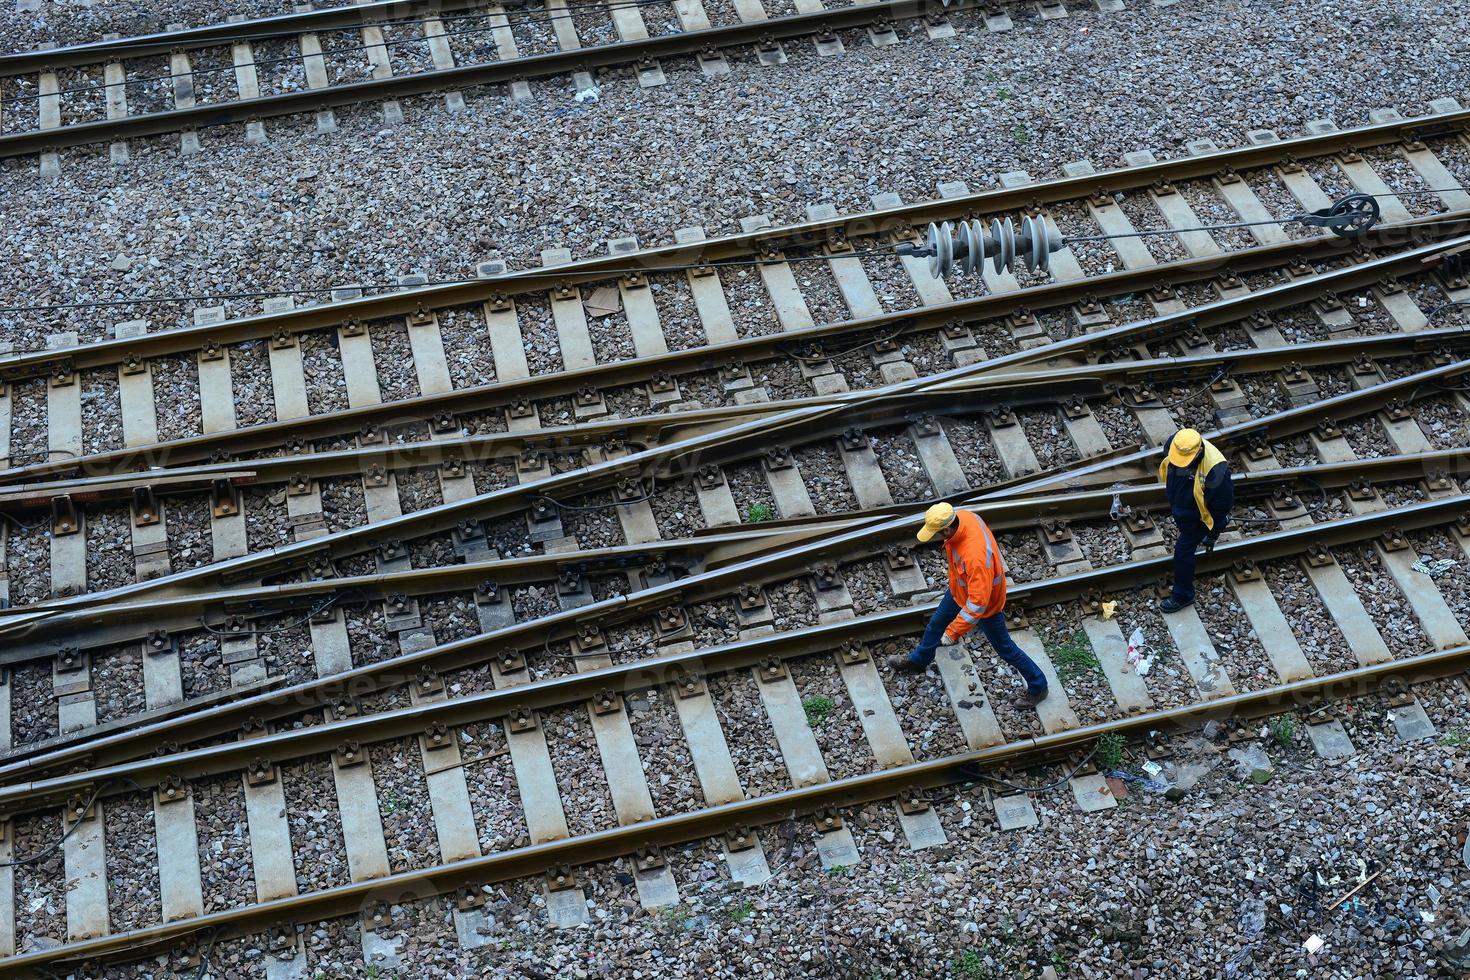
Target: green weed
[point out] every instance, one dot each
(743, 911)
(817, 708)
(1110, 747)
(1282, 729)
(969, 965)
(1456, 738)
(756, 513)
(1073, 658)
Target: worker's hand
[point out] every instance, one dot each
(948, 641)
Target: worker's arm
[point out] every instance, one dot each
(1219, 496)
(971, 609)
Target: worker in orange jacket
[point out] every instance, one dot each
(977, 595)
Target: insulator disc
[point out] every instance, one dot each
(1005, 244)
(972, 247)
(941, 248)
(1034, 243)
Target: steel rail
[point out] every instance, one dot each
(898, 222)
(728, 440)
(1085, 380)
(437, 408)
(529, 639)
(915, 780)
(699, 558)
(379, 12)
(1051, 295)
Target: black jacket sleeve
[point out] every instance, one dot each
(1219, 494)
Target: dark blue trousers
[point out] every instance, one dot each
(1191, 533)
(994, 628)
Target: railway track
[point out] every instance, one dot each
(249, 71)
(1336, 387)
(217, 515)
(785, 669)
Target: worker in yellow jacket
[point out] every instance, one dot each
(976, 596)
(1196, 477)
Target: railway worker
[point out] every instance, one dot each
(1196, 477)
(977, 595)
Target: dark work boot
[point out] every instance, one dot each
(904, 664)
(1171, 604)
(1030, 700)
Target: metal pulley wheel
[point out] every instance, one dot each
(1348, 217)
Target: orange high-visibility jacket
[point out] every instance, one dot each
(977, 574)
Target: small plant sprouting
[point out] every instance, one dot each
(756, 513)
(1456, 738)
(969, 965)
(743, 911)
(817, 708)
(1110, 750)
(1282, 729)
(1074, 658)
(1020, 133)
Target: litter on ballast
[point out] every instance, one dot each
(1434, 567)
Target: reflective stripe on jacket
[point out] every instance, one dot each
(1211, 458)
(977, 573)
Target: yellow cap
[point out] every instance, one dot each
(936, 519)
(1184, 447)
